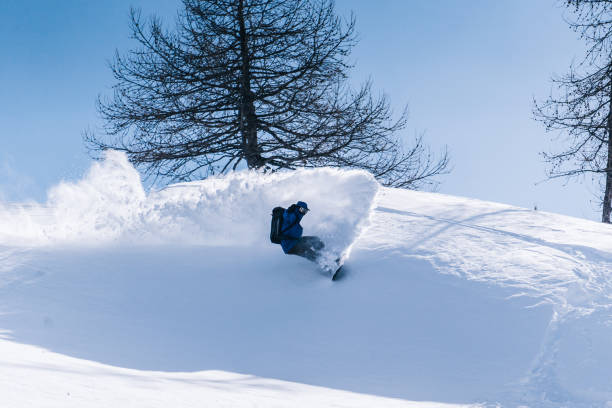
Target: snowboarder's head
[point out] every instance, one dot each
(301, 207)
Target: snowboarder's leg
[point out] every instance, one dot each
(308, 247)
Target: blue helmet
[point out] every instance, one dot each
(302, 207)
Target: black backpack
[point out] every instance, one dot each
(276, 231)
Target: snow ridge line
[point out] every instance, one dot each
(590, 271)
(552, 259)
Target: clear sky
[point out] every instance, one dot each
(468, 71)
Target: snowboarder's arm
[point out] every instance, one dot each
(291, 227)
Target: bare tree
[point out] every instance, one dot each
(582, 106)
(260, 82)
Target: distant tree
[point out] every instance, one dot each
(582, 106)
(260, 82)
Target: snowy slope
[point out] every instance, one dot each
(111, 296)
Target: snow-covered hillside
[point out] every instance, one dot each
(112, 296)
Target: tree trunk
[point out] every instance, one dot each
(248, 119)
(607, 199)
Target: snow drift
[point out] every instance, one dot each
(113, 295)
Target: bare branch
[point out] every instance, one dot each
(261, 82)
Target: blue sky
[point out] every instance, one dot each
(468, 71)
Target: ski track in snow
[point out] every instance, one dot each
(561, 261)
(443, 298)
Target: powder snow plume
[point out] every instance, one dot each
(110, 206)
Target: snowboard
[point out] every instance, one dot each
(332, 265)
(337, 274)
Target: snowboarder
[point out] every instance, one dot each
(309, 247)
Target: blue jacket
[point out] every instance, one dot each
(289, 217)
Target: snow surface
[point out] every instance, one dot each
(113, 296)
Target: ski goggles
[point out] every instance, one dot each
(303, 210)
